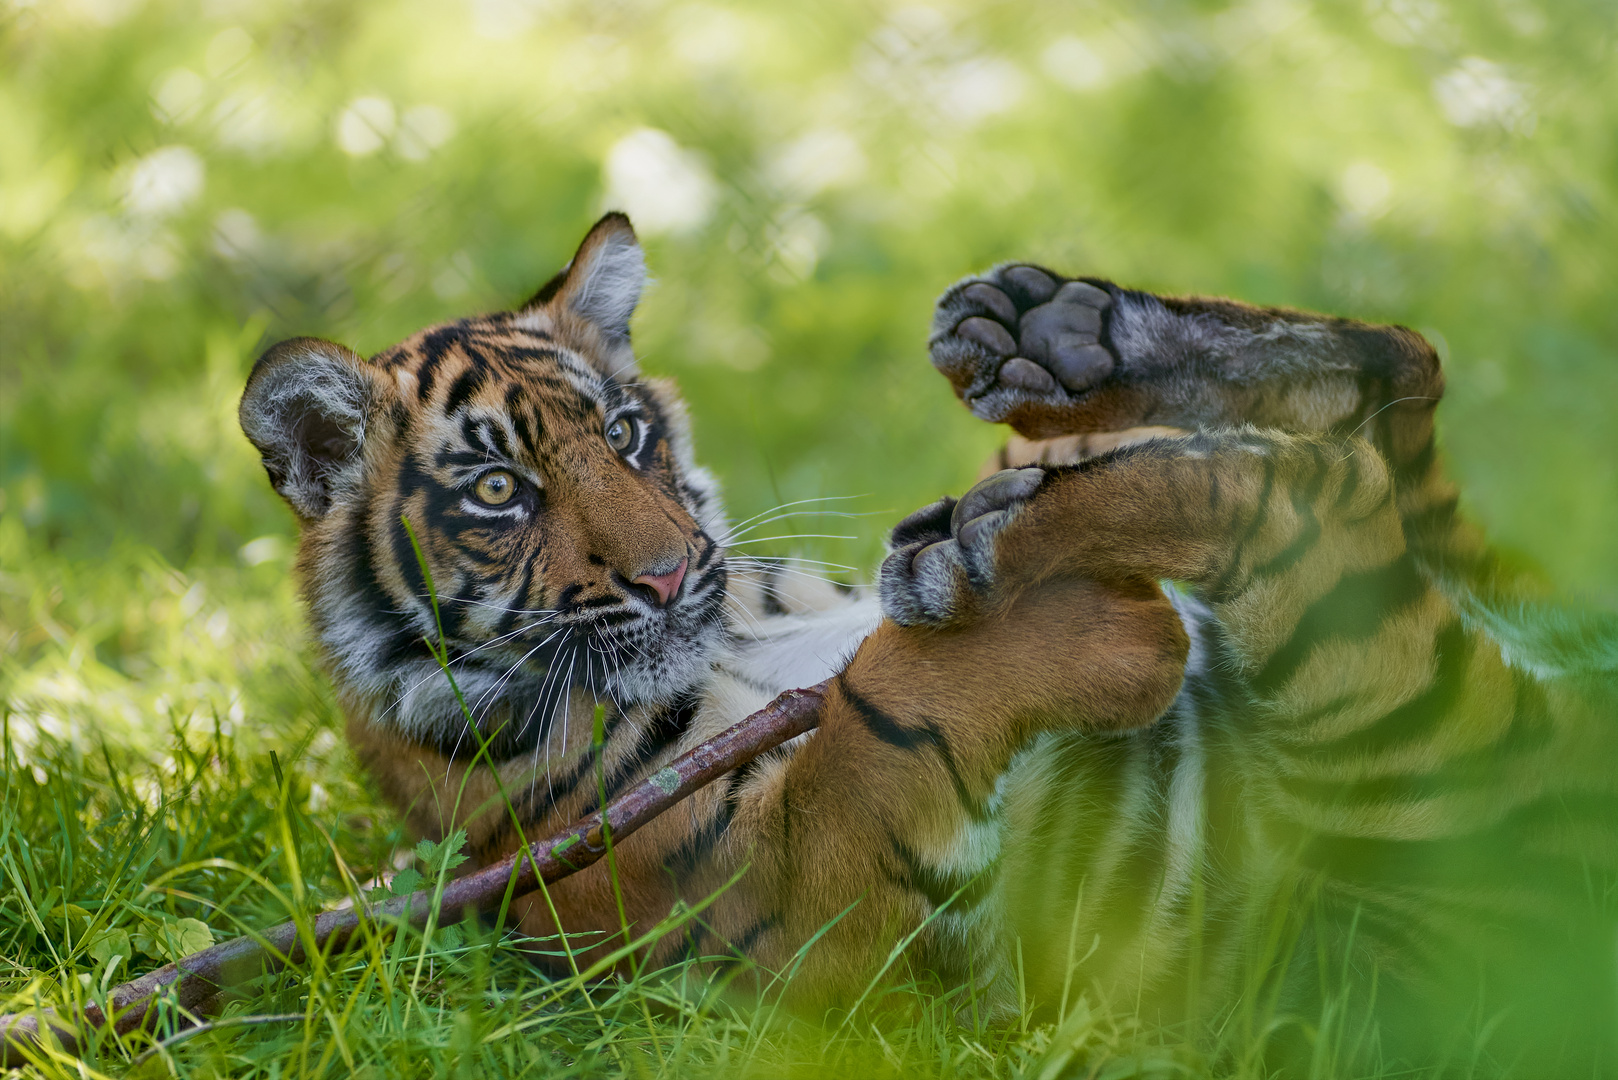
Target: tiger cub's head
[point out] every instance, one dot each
(550, 488)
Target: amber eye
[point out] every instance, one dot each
(496, 487)
(621, 433)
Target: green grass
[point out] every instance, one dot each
(123, 849)
(173, 776)
(144, 850)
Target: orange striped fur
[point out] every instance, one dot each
(1062, 775)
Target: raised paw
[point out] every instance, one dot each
(943, 559)
(1020, 342)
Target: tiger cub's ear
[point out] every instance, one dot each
(306, 407)
(599, 288)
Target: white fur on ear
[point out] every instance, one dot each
(610, 283)
(602, 284)
(306, 408)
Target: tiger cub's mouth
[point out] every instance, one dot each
(521, 686)
(643, 650)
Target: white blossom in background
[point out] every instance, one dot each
(660, 184)
(815, 161)
(1526, 19)
(502, 19)
(163, 181)
(706, 37)
(1364, 190)
(177, 95)
(228, 48)
(912, 30)
(1075, 64)
(250, 122)
(105, 245)
(99, 12)
(120, 247)
(977, 89)
(422, 129)
(918, 60)
(365, 125)
(455, 277)
(262, 550)
(719, 338)
(797, 239)
(1477, 92)
(1409, 22)
(236, 235)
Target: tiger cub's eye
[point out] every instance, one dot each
(620, 433)
(496, 487)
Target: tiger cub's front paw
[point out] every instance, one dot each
(943, 560)
(1021, 338)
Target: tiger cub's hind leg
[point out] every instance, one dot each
(1053, 357)
(1021, 342)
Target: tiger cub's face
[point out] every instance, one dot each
(551, 491)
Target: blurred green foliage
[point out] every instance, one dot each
(182, 183)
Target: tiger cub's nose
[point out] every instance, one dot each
(666, 586)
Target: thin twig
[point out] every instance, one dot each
(190, 982)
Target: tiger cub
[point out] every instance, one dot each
(1055, 772)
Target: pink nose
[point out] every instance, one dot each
(666, 586)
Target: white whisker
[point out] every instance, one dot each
(463, 657)
(754, 627)
(740, 531)
(762, 568)
(796, 502)
(1385, 408)
(792, 536)
(501, 682)
(787, 559)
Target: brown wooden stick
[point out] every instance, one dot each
(200, 976)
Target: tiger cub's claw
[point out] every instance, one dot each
(1019, 336)
(943, 557)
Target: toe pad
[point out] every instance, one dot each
(1004, 489)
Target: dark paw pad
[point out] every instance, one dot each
(1021, 335)
(1001, 491)
(1027, 285)
(944, 555)
(929, 524)
(1063, 336)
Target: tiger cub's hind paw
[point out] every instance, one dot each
(1020, 337)
(943, 558)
